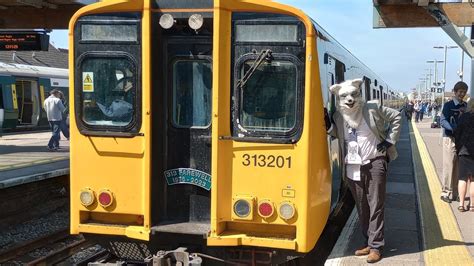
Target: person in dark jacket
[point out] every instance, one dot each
(464, 140)
(449, 120)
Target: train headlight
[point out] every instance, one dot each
(242, 207)
(87, 197)
(166, 21)
(105, 198)
(265, 209)
(195, 21)
(286, 210)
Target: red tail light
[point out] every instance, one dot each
(265, 209)
(105, 198)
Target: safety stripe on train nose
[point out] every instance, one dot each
(442, 240)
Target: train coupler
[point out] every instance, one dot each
(178, 256)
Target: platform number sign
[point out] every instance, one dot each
(88, 81)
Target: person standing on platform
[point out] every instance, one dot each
(368, 133)
(409, 110)
(422, 111)
(417, 108)
(54, 109)
(449, 120)
(464, 140)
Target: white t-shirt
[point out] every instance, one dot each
(367, 142)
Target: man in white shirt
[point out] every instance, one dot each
(54, 111)
(367, 134)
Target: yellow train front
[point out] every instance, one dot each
(197, 124)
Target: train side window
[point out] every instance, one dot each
(108, 91)
(192, 93)
(367, 82)
(268, 101)
(340, 70)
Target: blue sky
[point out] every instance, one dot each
(398, 55)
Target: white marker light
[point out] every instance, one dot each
(166, 21)
(287, 210)
(196, 21)
(87, 197)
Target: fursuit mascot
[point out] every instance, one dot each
(366, 133)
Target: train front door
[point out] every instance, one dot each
(188, 134)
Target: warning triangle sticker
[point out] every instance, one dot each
(88, 79)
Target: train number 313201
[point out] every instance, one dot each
(261, 160)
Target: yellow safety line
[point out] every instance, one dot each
(32, 163)
(442, 240)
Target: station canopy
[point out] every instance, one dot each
(416, 13)
(38, 14)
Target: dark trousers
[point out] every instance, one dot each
(417, 116)
(369, 195)
(55, 129)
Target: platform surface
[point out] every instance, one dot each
(419, 228)
(433, 140)
(24, 158)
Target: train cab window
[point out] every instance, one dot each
(108, 91)
(268, 99)
(192, 93)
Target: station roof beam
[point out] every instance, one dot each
(414, 13)
(38, 14)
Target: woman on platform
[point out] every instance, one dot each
(464, 140)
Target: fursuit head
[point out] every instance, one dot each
(350, 102)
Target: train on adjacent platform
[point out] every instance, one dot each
(23, 88)
(199, 124)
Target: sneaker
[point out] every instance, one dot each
(446, 199)
(374, 256)
(52, 149)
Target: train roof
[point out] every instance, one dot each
(21, 70)
(54, 57)
(325, 36)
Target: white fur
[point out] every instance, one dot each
(351, 105)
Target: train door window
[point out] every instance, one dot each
(378, 94)
(332, 104)
(1, 97)
(192, 93)
(108, 91)
(268, 97)
(381, 94)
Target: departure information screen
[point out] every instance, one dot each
(13, 41)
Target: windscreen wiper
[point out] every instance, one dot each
(264, 55)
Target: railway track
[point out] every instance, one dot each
(54, 249)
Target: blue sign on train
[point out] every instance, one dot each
(188, 176)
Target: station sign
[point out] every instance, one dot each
(24, 41)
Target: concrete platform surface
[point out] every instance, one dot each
(24, 158)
